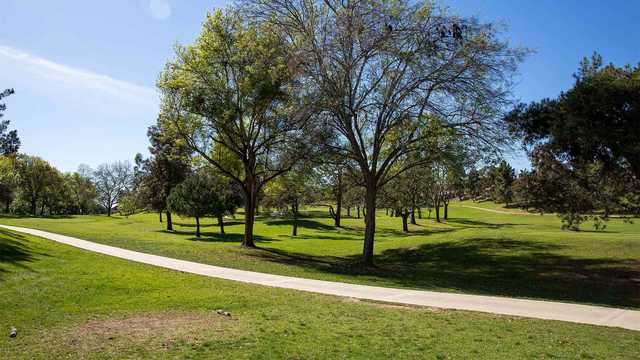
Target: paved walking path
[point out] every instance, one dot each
(585, 314)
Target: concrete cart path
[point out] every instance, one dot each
(585, 314)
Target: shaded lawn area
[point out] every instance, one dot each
(475, 251)
(69, 303)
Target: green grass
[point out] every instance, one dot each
(69, 303)
(475, 251)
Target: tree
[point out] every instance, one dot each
(166, 168)
(127, 205)
(583, 145)
(292, 190)
(112, 181)
(233, 88)
(504, 177)
(82, 191)
(9, 141)
(8, 180)
(35, 177)
(380, 69)
(197, 196)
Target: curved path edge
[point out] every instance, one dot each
(547, 310)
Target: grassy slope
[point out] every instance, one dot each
(476, 251)
(63, 299)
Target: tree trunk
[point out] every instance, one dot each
(358, 209)
(338, 214)
(33, 207)
(446, 210)
(251, 192)
(160, 214)
(348, 211)
(386, 211)
(294, 210)
(405, 216)
(7, 206)
(197, 226)
(413, 216)
(419, 213)
(221, 223)
(370, 222)
(169, 221)
(438, 213)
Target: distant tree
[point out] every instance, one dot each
(112, 181)
(8, 180)
(296, 188)
(505, 175)
(127, 204)
(82, 190)
(197, 196)
(36, 177)
(9, 141)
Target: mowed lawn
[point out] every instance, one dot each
(69, 303)
(475, 251)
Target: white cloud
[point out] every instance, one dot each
(79, 77)
(160, 9)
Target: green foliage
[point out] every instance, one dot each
(127, 205)
(202, 194)
(9, 141)
(583, 145)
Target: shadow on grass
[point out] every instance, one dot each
(226, 223)
(13, 251)
(478, 224)
(488, 266)
(302, 223)
(210, 236)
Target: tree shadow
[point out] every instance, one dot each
(14, 251)
(478, 224)
(503, 267)
(226, 223)
(211, 236)
(302, 223)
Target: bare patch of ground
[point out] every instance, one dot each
(145, 331)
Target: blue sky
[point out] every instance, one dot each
(84, 71)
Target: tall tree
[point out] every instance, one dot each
(381, 68)
(168, 166)
(233, 88)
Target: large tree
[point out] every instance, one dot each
(381, 70)
(233, 88)
(584, 145)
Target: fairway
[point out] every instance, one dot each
(68, 303)
(475, 251)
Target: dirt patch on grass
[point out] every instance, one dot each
(143, 332)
